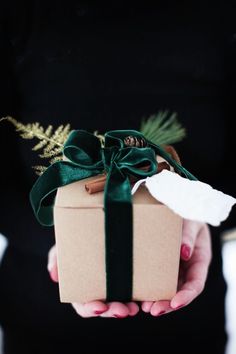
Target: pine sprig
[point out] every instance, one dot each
(161, 129)
(50, 143)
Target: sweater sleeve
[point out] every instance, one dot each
(17, 222)
(228, 170)
(10, 175)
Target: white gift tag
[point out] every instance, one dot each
(193, 200)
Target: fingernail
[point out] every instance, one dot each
(178, 307)
(54, 276)
(185, 251)
(119, 316)
(161, 313)
(99, 312)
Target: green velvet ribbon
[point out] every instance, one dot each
(87, 158)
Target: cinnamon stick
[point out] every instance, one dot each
(173, 153)
(98, 184)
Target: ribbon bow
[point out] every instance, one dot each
(87, 158)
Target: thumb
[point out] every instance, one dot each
(190, 233)
(52, 264)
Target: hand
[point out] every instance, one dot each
(94, 308)
(195, 259)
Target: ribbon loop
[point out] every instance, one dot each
(83, 149)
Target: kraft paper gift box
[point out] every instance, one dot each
(80, 240)
(110, 247)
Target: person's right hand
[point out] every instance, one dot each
(93, 308)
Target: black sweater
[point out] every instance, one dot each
(103, 66)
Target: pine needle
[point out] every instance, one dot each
(161, 129)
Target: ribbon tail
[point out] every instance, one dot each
(44, 190)
(119, 236)
(172, 162)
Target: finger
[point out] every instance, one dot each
(191, 230)
(146, 306)
(160, 308)
(133, 308)
(196, 273)
(90, 309)
(116, 309)
(52, 256)
(52, 264)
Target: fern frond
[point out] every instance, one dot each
(51, 153)
(163, 129)
(59, 137)
(39, 170)
(50, 143)
(48, 131)
(28, 135)
(40, 145)
(66, 130)
(35, 130)
(56, 158)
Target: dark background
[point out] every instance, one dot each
(103, 66)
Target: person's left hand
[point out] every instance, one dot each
(195, 258)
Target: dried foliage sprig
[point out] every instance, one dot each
(50, 142)
(163, 129)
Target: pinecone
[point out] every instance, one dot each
(134, 141)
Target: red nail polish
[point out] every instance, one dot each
(185, 252)
(99, 312)
(161, 313)
(54, 276)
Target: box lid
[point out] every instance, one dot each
(74, 195)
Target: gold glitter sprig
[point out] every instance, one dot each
(50, 143)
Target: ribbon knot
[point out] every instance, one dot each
(86, 158)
